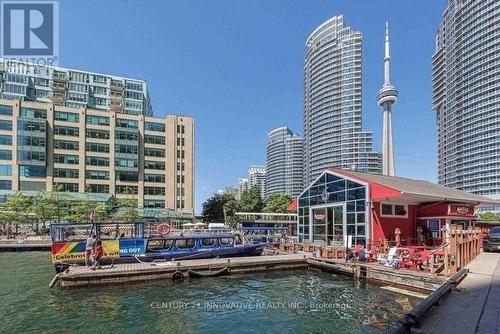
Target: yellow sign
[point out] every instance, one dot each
(74, 251)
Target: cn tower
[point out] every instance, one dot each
(385, 98)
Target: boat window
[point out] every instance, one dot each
(155, 245)
(168, 243)
(207, 242)
(185, 243)
(225, 241)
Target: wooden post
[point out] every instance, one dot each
(397, 233)
(453, 249)
(420, 237)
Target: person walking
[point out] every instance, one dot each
(89, 247)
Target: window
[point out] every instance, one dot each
(98, 188)
(126, 149)
(129, 163)
(71, 187)
(394, 210)
(5, 125)
(127, 123)
(5, 110)
(97, 161)
(208, 242)
(158, 127)
(66, 159)
(94, 147)
(127, 176)
(31, 141)
(5, 140)
(32, 186)
(33, 113)
(154, 204)
(5, 184)
(98, 134)
(31, 125)
(30, 156)
(158, 165)
(154, 139)
(66, 131)
(66, 173)
(97, 120)
(225, 241)
(134, 136)
(66, 117)
(66, 145)
(32, 171)
(154, 152)
(5, 170)
(97, 175)
(158, 178)
(185, 243)
(126, 189)
(155, 191)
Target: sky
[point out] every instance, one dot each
(237, 67)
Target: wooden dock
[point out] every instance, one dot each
(378, 273)
(79, 276)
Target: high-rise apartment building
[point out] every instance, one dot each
(333, 136)
(257, 178)
(242, 186)
(73, 88)
(466, 96)
(285, 162)
(97, 150)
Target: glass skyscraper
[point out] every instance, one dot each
(285, 162)
(466, 96)
(73, 88)
(333, 136)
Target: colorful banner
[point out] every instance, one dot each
(132, 248)
(74, 251)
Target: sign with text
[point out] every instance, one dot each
(132, 248)
(74, 251)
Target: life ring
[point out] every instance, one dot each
(178, 276)
(163, 229)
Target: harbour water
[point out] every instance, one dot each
(280, 302)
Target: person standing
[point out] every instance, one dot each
(98, 251)
(89, 247)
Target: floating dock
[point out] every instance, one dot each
(81, 276)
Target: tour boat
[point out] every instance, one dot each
(141, 242)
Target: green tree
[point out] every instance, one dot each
(490, 216)
(16, 209)
(213, 208)
(128, 208)
(47, 206)
(278, 203)
(251, 200)
(80, 212)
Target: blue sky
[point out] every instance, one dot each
(237, 67)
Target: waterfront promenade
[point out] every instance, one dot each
(474, 307)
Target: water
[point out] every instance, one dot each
(280, 302)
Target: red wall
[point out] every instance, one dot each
(384, 227)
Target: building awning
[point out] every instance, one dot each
(69, 196)
(156, 213)
(384, 187)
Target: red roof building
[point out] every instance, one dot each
(369, 208)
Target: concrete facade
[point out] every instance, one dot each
(88, 150)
